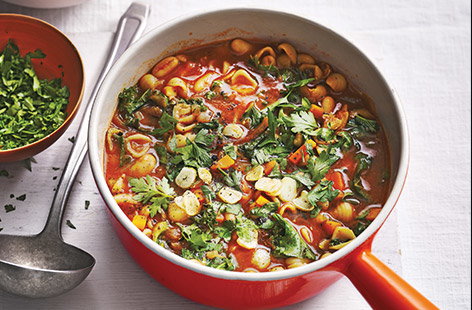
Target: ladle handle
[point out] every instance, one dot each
(130, 28)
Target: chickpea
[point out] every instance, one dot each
(173, 234)
(268, 60)
(317, 73)
(283, 61)
(148, 81)
(240, 47)
(298, 140)
(314, 94)
(328, 104)
(337, 82)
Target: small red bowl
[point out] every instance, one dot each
(62, 61)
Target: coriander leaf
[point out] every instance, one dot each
(303, 122)
(302, 178)
(323, 192)
(166, 123)
(360, 126)
(148, 190)
(208, 193)
(288, 242)
(231, 150)
(319, 166)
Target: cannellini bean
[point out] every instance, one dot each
(165, 66)
(205, 175)
(336, 81)
(148, 81)
(118, 186)
(176, 213)
(240, 46)
(266, 50)
(137, 137)
(302, 203)
(343, 212)
(328, 104)
(233, 131)
(343, 233)
(268, 60)
(290, 51)
(261, 258)
(294, 262)
(289, 189)
(255, 173)
(204, 82)
(305, 59)
(125, 199)
(186, 177)
(283, 61)
(180, 86)
(229, 195)
(110, 132)
(143, 165)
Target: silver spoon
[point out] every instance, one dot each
(44, 265)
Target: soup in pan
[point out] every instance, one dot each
(247, 156)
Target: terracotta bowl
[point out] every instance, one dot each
(62, 61)
(238, 290)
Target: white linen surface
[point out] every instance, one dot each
(423, 49)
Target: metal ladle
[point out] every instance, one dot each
(44, 265)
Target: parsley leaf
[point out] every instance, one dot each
(288, 242)
(303, 122)
(319, 166)
(197, 152)
(166, 123)
(149, 190)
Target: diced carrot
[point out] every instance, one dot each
(269, 167)
(373, 212)
(298, 155)
(199, 193)
(140, 221)
(338, 180)
(316, 110)
(220, 218)
(261, 200)
(224, 162)
(330, 226)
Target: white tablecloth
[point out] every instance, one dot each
(423, 49)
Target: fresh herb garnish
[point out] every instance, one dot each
(319, 166)
(148, 189)
(30, 108)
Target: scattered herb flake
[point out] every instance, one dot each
(87, 204)
(4, 173)
(21, 198)
(9, 208)
(69, 223)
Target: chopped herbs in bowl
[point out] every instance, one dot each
(30, 108)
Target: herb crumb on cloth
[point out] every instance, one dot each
(69, 223)
(9, 208)
(30, 108)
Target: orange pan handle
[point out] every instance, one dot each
(381, 287)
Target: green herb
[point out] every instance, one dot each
(124, 159)
(208, 193)
(302, 178)
(303, 122)
(129, 101)
(231, 151)
(71, 139)
(323, 192)
(199, 240)
(69, 223)
(9, 208)
(197, 152)
(4, 173)
(21, 198)
(150, 190)
(232, 178)
(254, 115)
(87, 204)
(264, 214)
(361, 126)
(55, 168)
(28, 162)
(162, 153)
(288, 242)
(166, 123)
(30, 108)
(360, 227)
(324, 134)
(364, 162)
(319, 166)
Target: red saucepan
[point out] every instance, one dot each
(381, 287)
